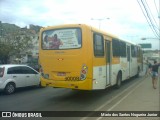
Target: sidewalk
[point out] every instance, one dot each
(143, 98)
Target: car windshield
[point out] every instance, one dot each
(57, 39)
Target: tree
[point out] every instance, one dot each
(4, 52)
(13, 44)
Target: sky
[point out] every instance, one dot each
(123, 18)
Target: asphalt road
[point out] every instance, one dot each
(59, 99)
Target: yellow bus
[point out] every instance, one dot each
(78, 56)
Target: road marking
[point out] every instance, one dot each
(102, 106)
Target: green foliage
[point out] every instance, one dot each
(13, 41)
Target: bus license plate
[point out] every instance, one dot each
(61, 74)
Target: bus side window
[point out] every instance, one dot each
(98, 45)
(116, 47)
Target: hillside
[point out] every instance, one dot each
(6, 28)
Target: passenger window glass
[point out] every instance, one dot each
(98, 45)
(122, 48)
(119, 48)
(134, 51)
(27, 70)
(20, 70)
(14, 70)
(116, 47)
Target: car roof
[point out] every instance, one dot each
(15, 65)
(12, 65)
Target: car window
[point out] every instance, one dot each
(27, 70)
(20, 70)
(14, 70)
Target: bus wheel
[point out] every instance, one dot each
(138, 71)
(119, 80)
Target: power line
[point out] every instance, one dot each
(148, 16)
(151, 14)
(156, 6)
(150, 24)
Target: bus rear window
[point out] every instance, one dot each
(57, 39)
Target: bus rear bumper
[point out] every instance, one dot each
(81, 85)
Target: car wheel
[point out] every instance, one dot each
(10, 88)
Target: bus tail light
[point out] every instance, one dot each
(84, 71)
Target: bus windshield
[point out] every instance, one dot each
(57, 39)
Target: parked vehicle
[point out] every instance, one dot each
(16, 76)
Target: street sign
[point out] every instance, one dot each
(146, 45)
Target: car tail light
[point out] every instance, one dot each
(84, 71)
(2, 71)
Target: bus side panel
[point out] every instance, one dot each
(115, 69)
(134, 66)
(99, 77)
(99, 72)
(124, 68)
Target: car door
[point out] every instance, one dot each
(32, 77)
(16, 74)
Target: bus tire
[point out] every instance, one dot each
(138, 71)
(119, 80)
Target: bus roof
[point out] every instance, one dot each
(85, 25)
(78, 25)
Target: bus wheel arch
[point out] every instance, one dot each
(119, 79)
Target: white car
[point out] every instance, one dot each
(16, 76)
